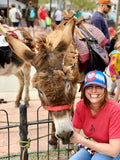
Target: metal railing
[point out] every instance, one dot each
(23, 132)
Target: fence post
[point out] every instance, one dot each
(23, 132)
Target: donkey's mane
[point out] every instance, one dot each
(42, 42)
(46, 51)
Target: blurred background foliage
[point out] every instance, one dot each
(83, 4)
(76, 4)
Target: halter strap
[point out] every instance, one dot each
(59, 108)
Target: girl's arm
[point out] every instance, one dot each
(111, 149)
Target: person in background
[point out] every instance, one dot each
(42, 17)
(104, 7)
(89, 19)
(2, 14)
(30, 17)
(99, 118)
(20, 22)
(48, 22)
(58, 16)
(111, 31)
(12, 15)
(114, 39)
(78, 14)
(114, 68)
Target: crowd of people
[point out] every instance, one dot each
(95, 110)
(42, 15)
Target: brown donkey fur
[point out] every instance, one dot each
(57, 74)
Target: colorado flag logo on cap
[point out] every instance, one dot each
(95, 77)
(91, 76)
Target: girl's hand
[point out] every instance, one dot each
(76, 138)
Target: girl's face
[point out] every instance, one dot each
(95, 94)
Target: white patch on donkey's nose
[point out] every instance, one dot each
(63, 125)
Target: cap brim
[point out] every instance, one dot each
(111, 4)
(97, 83)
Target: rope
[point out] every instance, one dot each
(29, 140)
(23, 155)
(27, 144)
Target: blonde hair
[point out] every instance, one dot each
(117, 44)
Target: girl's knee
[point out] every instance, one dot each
(99, 156)
(82, 154)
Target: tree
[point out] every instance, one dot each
(83, 4)
(118, 13)
(43, 1)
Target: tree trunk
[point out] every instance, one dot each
(118, 12)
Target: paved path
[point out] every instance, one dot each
(9, 86)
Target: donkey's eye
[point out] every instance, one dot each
(68, 86)
(40, 92)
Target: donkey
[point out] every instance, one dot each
(10, 63)
(55, 81)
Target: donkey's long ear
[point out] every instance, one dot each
(68, 31)
(20, 49)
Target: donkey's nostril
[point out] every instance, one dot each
(71, 133)
(58, 136)
(65, 136)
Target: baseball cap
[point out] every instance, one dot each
(95, 77)
(109, 2)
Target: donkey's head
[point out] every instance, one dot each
(55, 82)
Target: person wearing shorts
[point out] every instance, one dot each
(42, 17)
(30, 20)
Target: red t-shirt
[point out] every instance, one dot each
(42, 13)
(101, 127)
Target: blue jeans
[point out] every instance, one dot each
(83, 154)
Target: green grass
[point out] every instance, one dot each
(53, 155)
